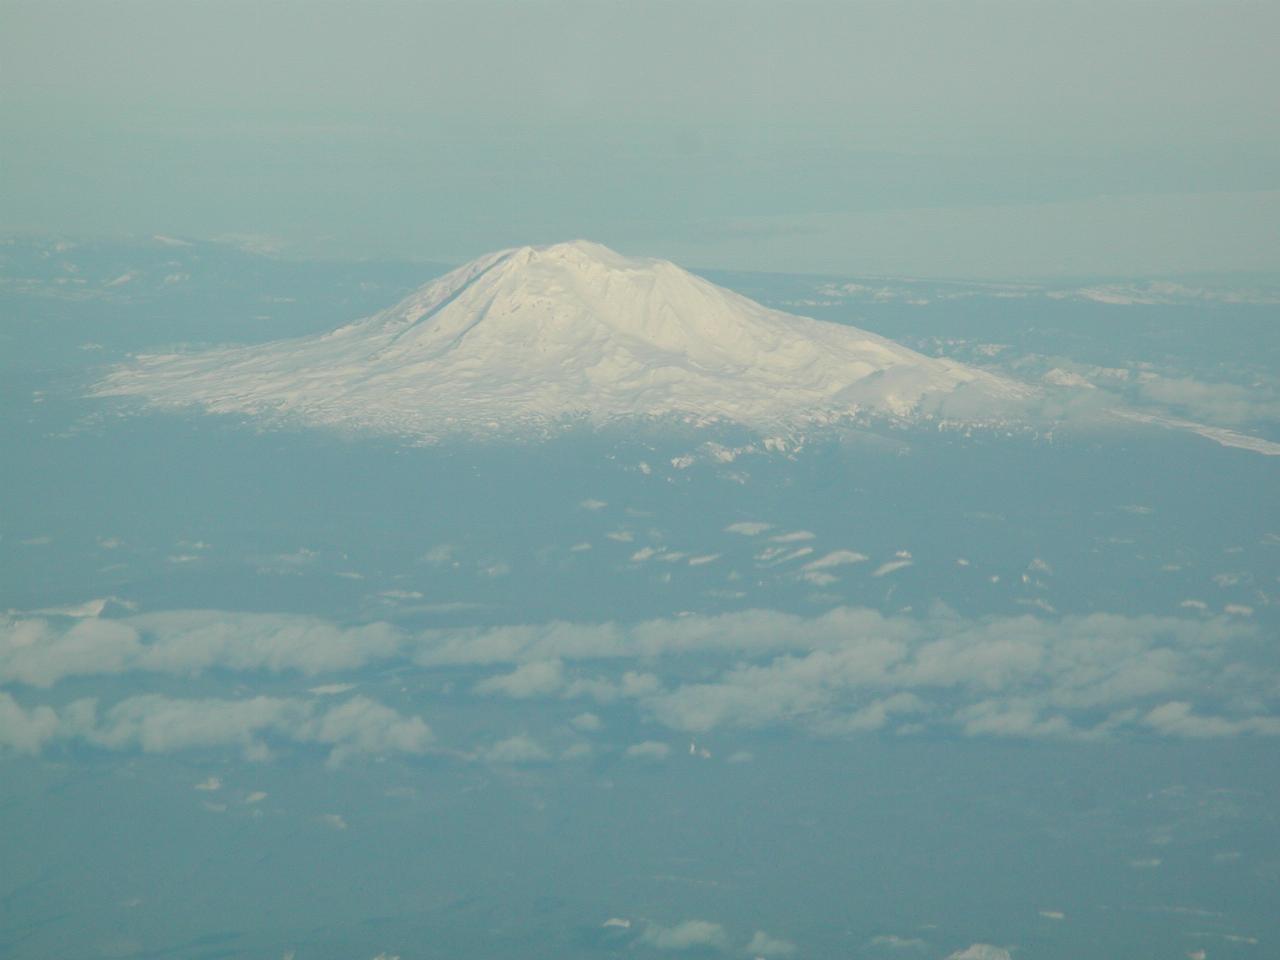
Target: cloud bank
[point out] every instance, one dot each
(157, 724)
(850, 670)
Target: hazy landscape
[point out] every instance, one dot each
(888, 689)
(622, 481)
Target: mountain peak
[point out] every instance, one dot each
(578, 252)
(536, 335)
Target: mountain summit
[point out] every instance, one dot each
(535, 336)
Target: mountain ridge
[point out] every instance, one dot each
(536, 335)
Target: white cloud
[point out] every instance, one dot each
(763, 945)
(836, 558)
(847, 670)
(787, 689)
(548, 678)
(890, 567)
(689, 935)
(794, 536)
(630, 686)
(41, 651)
(89, 608)
(540, 678)
(520, 643)
(1010, 718)
(776, 556)
(981, 951)
(191, 642)
(748, 528)
(26, 731)
(441, 555)
(288, 563)
(38, 653)
(1066, 378)
(157, 724)
(1229, 404)
(1013, 676)
(361, 725)
(894, 942)
(648, 750)
(330, 689)
(586, 722)
(400, 594)
(516, 750)
(873, 716)
(1178, 718)
(818, 578)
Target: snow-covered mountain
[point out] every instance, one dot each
(532, 337)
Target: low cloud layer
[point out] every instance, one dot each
(158, 724)
(689, 935)
(848, 671)
(40, 651)
(1224, 403)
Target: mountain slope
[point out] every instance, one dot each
(535, 336)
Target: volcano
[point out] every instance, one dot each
(533, 338)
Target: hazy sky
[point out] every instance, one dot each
(980, 139)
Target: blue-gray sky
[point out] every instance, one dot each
(974, 139)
